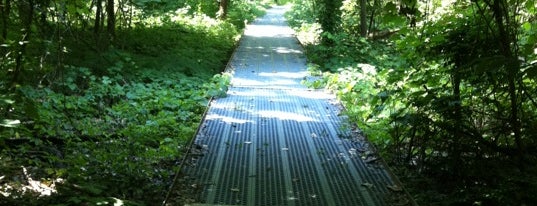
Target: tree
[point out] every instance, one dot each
(507, 38)
(330, 17)
(5, 10)
(454, 100)
(222, 9)
(26, 13)
(111, 19)
(363, 18)
(98, 16)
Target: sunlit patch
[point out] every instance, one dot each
(285, 116)
(117, 202)
(237, 81)
(303, 93)
(9, 123)
(33, 186)
(289, 75)
(309, 94)
(292, 198)
(368, 68)
(285, 50)
(227, 119)
(268, 31)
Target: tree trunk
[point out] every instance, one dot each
(98, 17)
(501, 17)
(372, 17)
(111, 19)
(222, 9)
(457, 121)
(6, 10)
(26, 12)
(313, 7)
(330, 19)
(363, 18)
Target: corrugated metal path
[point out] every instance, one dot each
(272, 141)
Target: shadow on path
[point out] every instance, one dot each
(272, 141)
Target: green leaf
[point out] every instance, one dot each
(526, 26)
(531, 72)
(131, 95)
(106, 80)
(10, 123)
(531, 5)
(7, 101)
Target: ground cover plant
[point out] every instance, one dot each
(445, 90)
(99, 99)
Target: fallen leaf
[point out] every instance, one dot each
(292, 198)
(367, 184)
(371, 160)
(395, 188)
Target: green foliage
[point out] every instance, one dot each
(449, 99)
(242, 12)
(301, 18)
(219, 85)
(348, 48)
(136, 128)
(302, 12)
(105, 117)
(5, 106)
(202, 44)
(329, 15)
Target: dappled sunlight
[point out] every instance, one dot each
(250, 48)
(40, 187)
(310, 94)
(271, 133)
(267, 31)
(239, 81)
(281, 115)
(227, 119)
(275, 94)
(287, 50)
(368, 69)
(288, 75)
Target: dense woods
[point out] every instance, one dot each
(99, 98)
(445, 89)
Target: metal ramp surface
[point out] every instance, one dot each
(272, 141)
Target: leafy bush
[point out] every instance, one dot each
(243, 12)
(448, 104)
(113, 125)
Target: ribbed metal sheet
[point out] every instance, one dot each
(274, 142)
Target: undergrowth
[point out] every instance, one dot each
(435, 98)
(110, 126)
